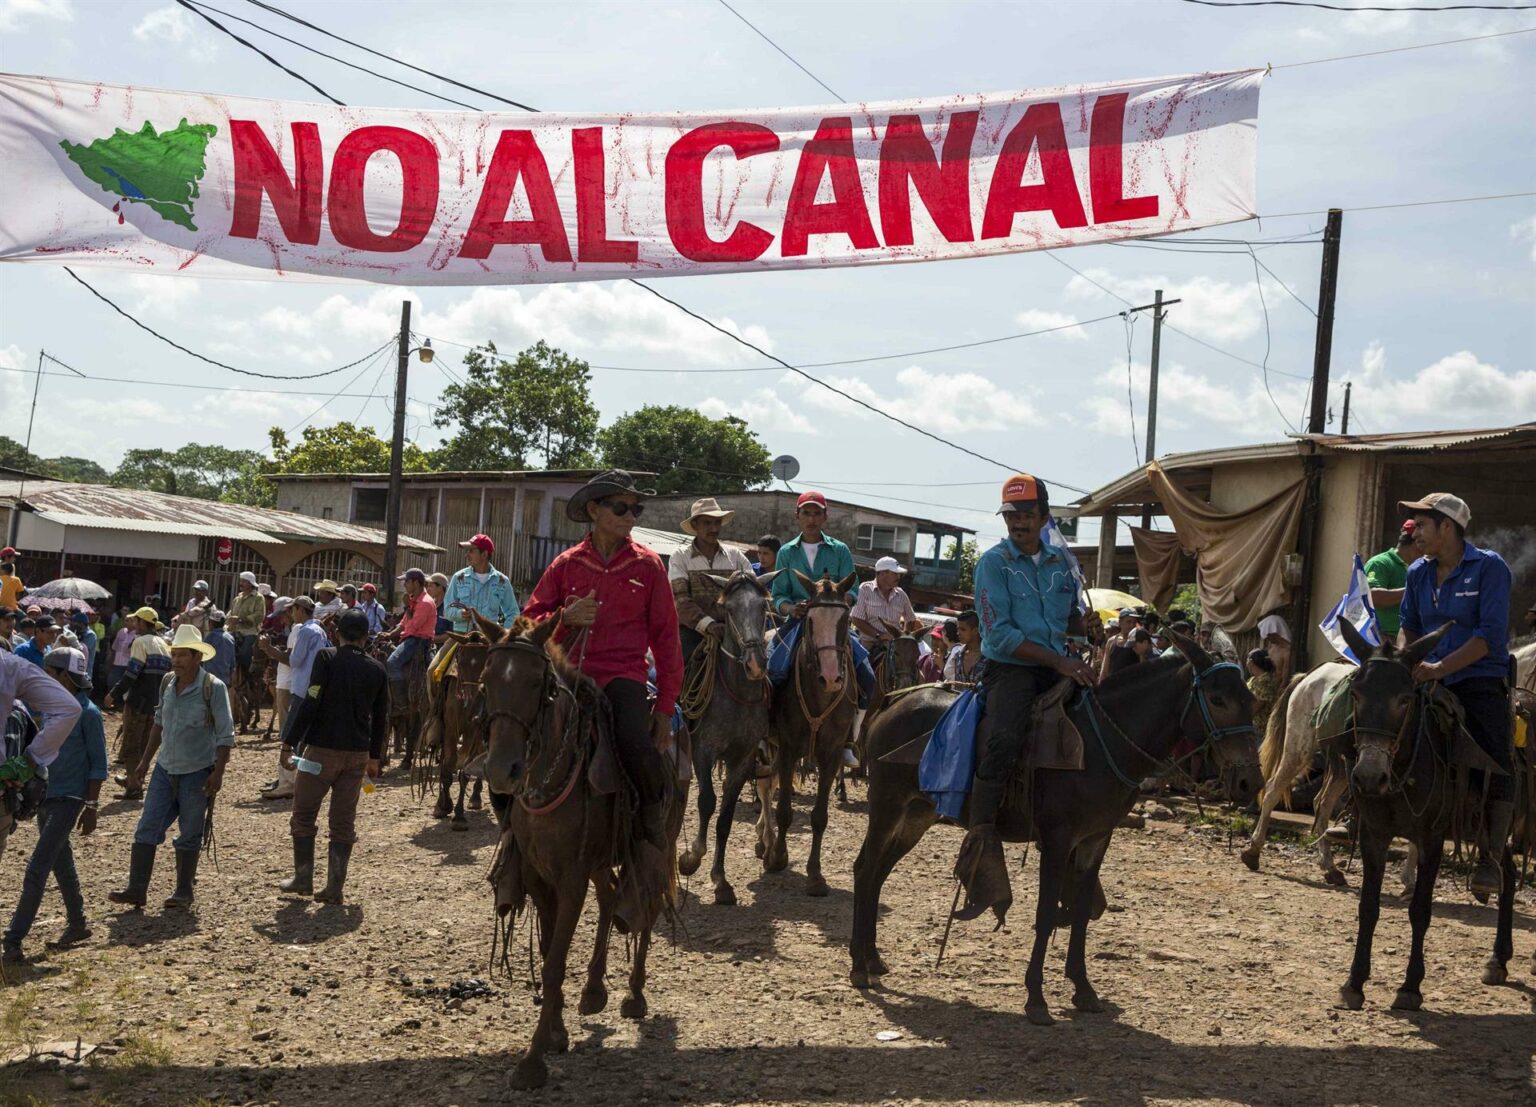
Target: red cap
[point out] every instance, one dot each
(483, 543)
(8, 553)
(370, 587)
(811, 498)
(1408, 526)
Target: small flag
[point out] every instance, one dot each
(1051, 534)
(1354, 605)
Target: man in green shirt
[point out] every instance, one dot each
(1387, 574)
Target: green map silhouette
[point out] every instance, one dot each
(159, 170)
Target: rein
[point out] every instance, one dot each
(844, 666)
(1398, 782)
(532, 796)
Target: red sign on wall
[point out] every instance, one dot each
(225, 551)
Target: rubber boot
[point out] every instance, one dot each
(337, 858)
(75, 933)
(303, 881)
(141, 865)
(186, 877)
(1489, 877)
(981, 866)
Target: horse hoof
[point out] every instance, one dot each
(688, 862)
(474, 803)
(1086, 999)
(1495, 972)
(1039, 1015)
(725, 896)
(441, 812)
(1407, 1001)
(1336, 878)
(460, 823)
(816, 886)
(593, 1000)
(634, 1007)
(776, 861)
(875, 966)
(859, 979)
(530, 1073)
(1251, 859)
(1351, 998)
(760, 849)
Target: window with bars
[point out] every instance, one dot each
(370, 505)
(884, 539)
(342, 566)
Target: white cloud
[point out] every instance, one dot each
(944, 403)
(1036, 320)
(764, 411)
(162, 295)
(175, 26)
(16, 14)
(1214, 310)
(1525, 231)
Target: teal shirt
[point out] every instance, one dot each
(191, 730)
(1021, 600)
(495, 599)
(833, 558)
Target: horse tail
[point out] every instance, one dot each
(1273, 747)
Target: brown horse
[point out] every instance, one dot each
(543, 719)
(813, 717)
(460, 732)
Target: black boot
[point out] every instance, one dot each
(303, 881)
(336, 860)
(981, 866)
(186, 877)
(141, 865)
(1489, 877)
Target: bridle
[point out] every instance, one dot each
(534, 796)
(1198, 698)
(745, 644)
(844, 663)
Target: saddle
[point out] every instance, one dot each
(605, 773)
(1055, 742)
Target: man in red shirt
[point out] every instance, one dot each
(614, 602)
(415, 632)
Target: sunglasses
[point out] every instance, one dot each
(622, 509)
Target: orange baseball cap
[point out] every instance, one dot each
(1022, 490)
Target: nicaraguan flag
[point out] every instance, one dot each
(1052, 535)
(1354, 605)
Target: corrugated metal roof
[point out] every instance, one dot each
(154, 526)
(669, 542)
(1417, 440)
(208, 517)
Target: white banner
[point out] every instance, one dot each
(178, 182)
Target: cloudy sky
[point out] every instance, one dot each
(1436, 318)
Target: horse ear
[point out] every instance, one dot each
(491, 630)
(458, 637)
(805, 582)
(1191, 649)
(720, 582)
(542, 632)
(1360, 647)
(765, 579)
(892, 629)
(846, 583)
(1421, 648)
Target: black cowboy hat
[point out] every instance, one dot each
(611, 482)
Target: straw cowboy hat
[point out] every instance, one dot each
(327, 585)
(706, 507)
(611, 482)
(187, 638)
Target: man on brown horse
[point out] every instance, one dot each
(689, 572)
(613, 601)
(1028, 599)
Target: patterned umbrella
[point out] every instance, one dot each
(68, 588)
(54, 604)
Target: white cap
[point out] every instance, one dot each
(889, 565)
(264, 588)
(282, 603)
(249, 578)
(72, 661)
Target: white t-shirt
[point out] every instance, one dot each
(481, 577)
(1274, 624)
(811, 550)
(282, 669)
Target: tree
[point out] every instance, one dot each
(968, 555)
(195, 470)
(342, 448)
(13, 455)
(686, 450)
(510, 414)
(78, 470)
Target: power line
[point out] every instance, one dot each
(200, 357)
(252, 46)
(378, 54)
(377, 353)
(1342, 8)
(1405, 49)
(198, 387)
(1281, 283)
(782, 51)
(1409, 203)
(1259, 285)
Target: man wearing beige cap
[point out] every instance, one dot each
(327, 600)
(1457, 582)
(689, 572)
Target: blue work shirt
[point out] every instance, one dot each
(87, 638)
(494, 598)
(1474, 598)
(31, 651)
(83, 756)
(192, 728)
(833, 558)
(307, 645)
(222, 663)
(1020, 599)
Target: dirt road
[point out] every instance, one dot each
(1220, 984)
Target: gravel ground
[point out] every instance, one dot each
(1219, 983)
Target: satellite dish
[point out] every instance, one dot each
(785, 468)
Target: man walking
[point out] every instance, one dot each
(222, 663)
(1387, 574)
(149, 660)
(689, 573)
(74, 781)
(189, 747)
(1467, 586)
(479, 585)
(341, 725)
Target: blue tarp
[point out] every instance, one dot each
(949, 762)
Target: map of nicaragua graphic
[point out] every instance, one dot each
(160, 170)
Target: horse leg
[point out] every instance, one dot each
(550, 1034)
(1084, 998)
(1410, 872)
(460, 820)
(777, 858)
(1267, 804)
(1373, 859)
(445, 766)
(634, 1005)
(762, 791)
(1053, 855)
(890, 837)
(1323, 807)
(815, 883)
(594, 997)
(476, 800)
(1409, 998)
(1497, 971)
(725, 895)
(703, 770)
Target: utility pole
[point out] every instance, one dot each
(396, 459)
(1156, 307)
(21, 491)
(1312, 462)
(1344, 426)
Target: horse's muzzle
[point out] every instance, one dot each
(1242, 782)
(503, 768)
(1371, 776)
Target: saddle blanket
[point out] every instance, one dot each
(949, 762)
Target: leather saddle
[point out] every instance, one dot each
(1054, 741)
(605, 773)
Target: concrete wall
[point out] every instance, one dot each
(1346, 478)
(311, 497)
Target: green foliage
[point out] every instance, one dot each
(969, 555)
(13, 455)
(533, 411)
(1187, 599)
(79, 470)
(687, 450)
(342, 448)
(194, 470)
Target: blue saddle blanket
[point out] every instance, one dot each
(949, 761)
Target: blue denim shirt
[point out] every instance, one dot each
(1474, 598)
(496, 599)
(307, 645)
(222, 663)
(1019, 600)
(82, 757)
(191, 730)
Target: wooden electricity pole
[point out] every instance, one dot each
(396, 459)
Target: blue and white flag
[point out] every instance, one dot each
(1051, 534)
(1354, 605)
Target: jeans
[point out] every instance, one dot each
(177, 799)
(782, 652)
(1486, 702)
(341, 774)
(55, 819)
(402, 655)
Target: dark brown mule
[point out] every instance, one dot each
(813, 717)
(542, 720)
(461, 738)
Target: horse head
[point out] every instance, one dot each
(743, 607)
(1220, 713)
(1383, 694)
(901, 657)
(826, 625)
(520, 689)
